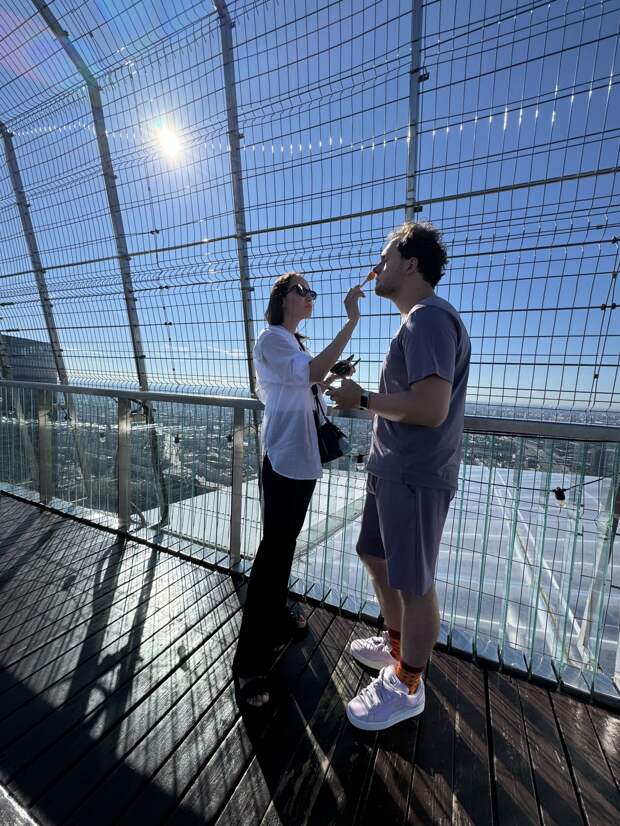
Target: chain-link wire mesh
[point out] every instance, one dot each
(516, 151)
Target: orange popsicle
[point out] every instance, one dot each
(370, 277)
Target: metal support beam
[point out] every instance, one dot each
(241, 236)
(33, 251)
(46, 305)
(116, 217)
(416, 76)
(234, 136)
(236, 494)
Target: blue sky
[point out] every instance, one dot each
(516, 92)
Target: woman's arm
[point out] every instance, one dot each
(321, 364)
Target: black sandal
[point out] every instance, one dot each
(296, 623)
(249, 690)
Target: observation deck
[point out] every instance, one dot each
(161, 164)
(118, 707)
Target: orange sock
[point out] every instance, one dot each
(409, 675)
(394, 643)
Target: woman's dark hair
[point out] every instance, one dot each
(422, 241)
(274, 314)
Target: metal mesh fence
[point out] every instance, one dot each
(498, 121)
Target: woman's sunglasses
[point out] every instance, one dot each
(304, 292)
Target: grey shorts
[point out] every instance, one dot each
(403, 525)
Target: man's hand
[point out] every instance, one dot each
(347, 396)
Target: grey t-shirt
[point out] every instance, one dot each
(431, 341)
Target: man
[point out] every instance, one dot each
(412, 471)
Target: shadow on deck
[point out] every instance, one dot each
(117, 706)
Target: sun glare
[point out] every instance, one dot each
(168, 142)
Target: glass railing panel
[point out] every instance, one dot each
(19, 436)
(251, 514)
(325, 558)
(84, 454)
(181, 473)
(529, 561)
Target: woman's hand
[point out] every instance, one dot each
(351, 303)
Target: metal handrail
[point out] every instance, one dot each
(473, 424)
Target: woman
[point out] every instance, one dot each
(286, 372)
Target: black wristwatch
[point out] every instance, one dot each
(364, 399)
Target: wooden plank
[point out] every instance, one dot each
(206, 767)
(597, 791)
(287, 727)
(132, 671)
(413, 760)
(433, 773)
(50, 572)
(159, 798)
(75, 657)
(472, 802)
(35, 570)
(389, 778)
(607, 727)
(255, 732)
(514, 784)
(11, 813)
(144, 737)
(148, 740)
(20, 524)
(311, 726)
(113, 595)
(61, 592)
(336, 800)
(22, 540)
(557, 800)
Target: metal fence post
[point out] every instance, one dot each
(236, 492)
(46, 304)
(416, 76)
(114, 208)
(123, 464)
(236, 172)
(46, 469)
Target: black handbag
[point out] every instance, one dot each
(332, 441)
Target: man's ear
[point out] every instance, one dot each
(412, 266)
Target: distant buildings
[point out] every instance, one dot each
(27, 360)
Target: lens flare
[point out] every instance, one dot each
(168, 142)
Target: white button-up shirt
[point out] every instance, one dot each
(289, 429)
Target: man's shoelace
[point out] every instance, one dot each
(377, 690)
(383, 640)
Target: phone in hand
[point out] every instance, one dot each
(341, 368)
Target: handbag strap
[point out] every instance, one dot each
(319, 406)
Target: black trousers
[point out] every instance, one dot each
(286, 503)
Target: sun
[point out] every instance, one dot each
(168, 142)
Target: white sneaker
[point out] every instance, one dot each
(384, 702)
(374, 652)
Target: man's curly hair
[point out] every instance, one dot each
(422, 241)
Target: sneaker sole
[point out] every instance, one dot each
(371, 663)
(396, 718)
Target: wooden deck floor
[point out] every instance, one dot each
(117, 706)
